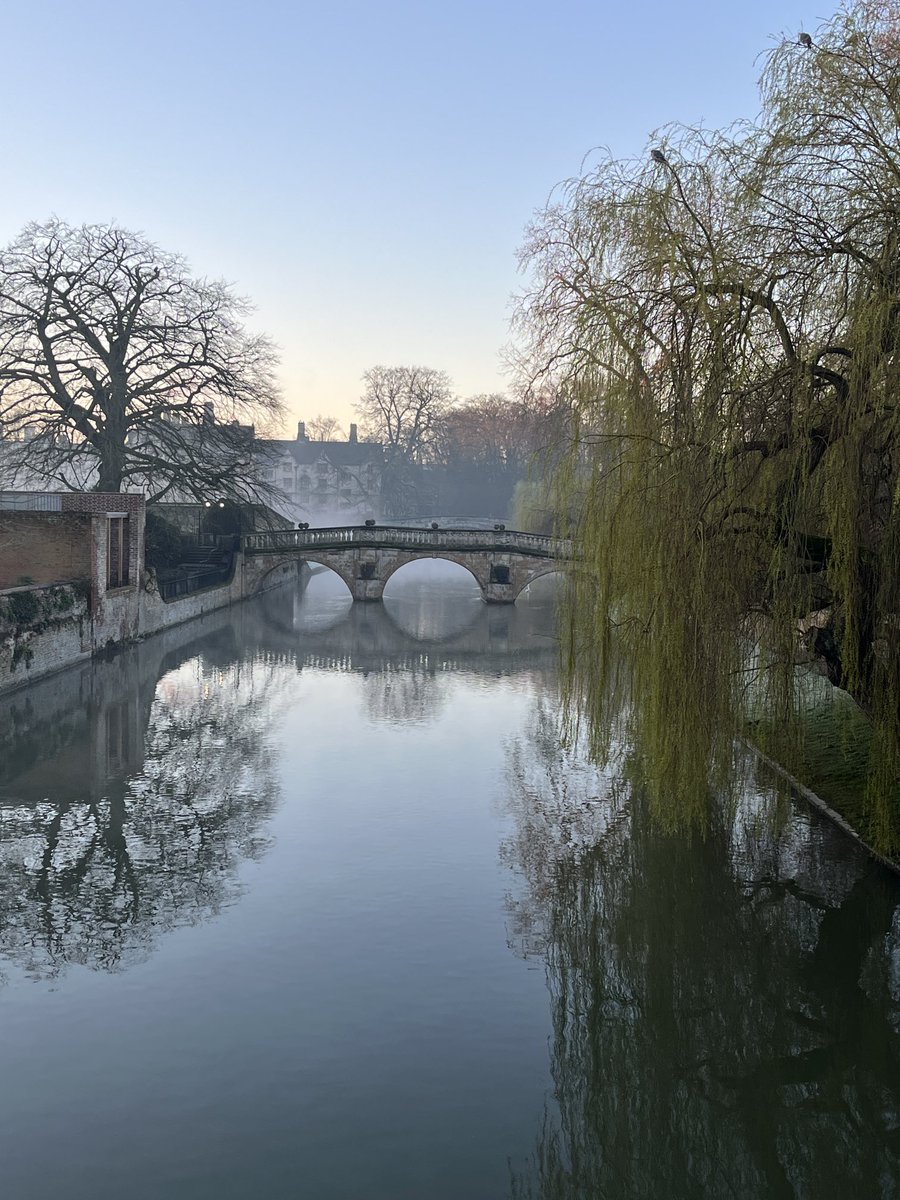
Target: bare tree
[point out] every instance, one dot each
(402, 407)
(324, 429)
(496, 432)
(111, 354)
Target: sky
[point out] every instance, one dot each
(364, 172)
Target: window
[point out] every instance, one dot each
(117, 550)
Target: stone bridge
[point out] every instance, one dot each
(503, 562)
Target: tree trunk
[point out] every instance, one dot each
(112, 467)
(112, 447)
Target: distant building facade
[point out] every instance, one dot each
(325, 482)
(328, 482)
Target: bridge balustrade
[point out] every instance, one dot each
(401, 537)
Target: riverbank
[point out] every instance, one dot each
(49, 628)
(815, 801)
(824, 757)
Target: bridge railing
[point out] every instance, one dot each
(401, 538)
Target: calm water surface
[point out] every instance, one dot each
(305, 900)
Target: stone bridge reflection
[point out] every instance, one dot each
(371, 638)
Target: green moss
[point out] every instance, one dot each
(24, 607)
(37, 608)
(22, 653)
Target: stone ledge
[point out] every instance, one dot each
(815, 801)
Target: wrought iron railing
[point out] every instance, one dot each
(186, 585)
(198, 575)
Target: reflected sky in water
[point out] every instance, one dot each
(307, 899)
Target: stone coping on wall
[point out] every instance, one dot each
(816, 802)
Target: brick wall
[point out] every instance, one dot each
(97, 506)
(49, 550)
(46, 547)
(102, 502)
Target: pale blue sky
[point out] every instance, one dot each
(362, 171)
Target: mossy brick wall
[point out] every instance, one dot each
(44, 547)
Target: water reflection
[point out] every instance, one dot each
(432, 601)
(493, 640)
(726, 1009)
(410, 647)
(323, 601)
(131, 790)
(125, 808)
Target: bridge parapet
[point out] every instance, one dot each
(394, 537)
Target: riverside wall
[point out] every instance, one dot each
(65, 627)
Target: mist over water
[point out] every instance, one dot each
(307, 899)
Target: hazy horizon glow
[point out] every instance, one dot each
(363, 173)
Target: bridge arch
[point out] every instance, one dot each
(542, 573)
(456, 559)
(261, 578)
(335, 567)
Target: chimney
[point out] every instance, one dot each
(209, 413)
(353, 437)
(301, 431)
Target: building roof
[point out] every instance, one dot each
(337, 454)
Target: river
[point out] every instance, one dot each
(306, 899)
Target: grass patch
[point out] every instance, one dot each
(826, 747)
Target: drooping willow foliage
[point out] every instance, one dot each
(725, 316)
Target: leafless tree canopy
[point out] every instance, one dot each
(324, 429)
(495, 432)
(111, 354)
(402, 407)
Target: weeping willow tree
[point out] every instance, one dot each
(725, 315)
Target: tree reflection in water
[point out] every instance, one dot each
(132, 790)
(127, 808)
(726, 1008)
